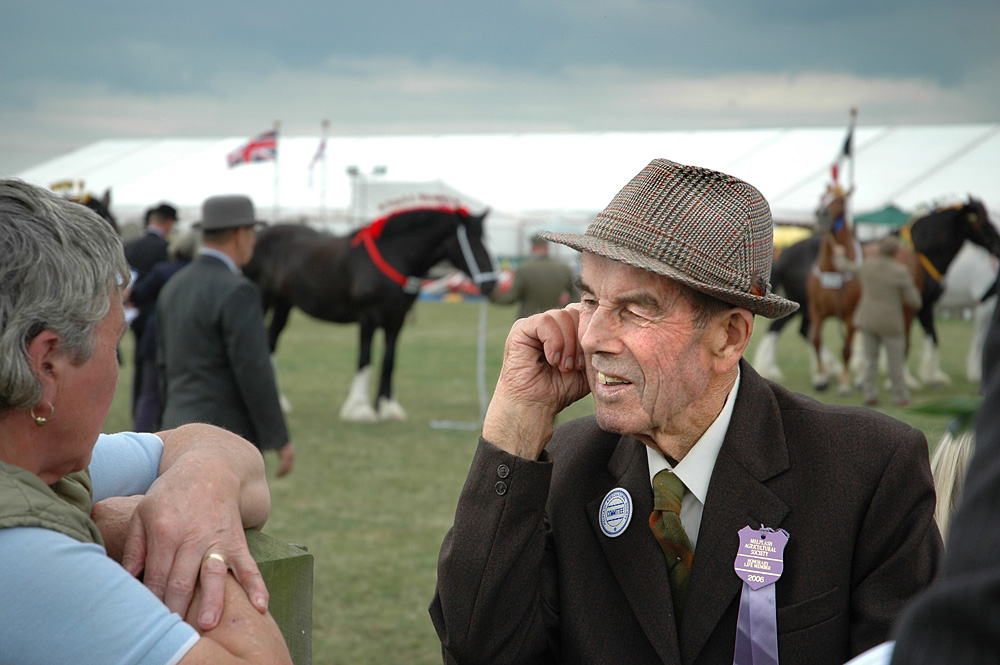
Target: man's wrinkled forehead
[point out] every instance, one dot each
(642, 287)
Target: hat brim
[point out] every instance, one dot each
(257, 224)
(770, 306)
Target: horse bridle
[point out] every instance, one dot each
(470, 259)
(411, 284)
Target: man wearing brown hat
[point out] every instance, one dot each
(704, 514)
(211, 345)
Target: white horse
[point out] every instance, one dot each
(970, 276)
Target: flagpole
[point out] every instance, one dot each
(848, 200)
(322, 183)
(277, 207)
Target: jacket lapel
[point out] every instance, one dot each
(634, 556)
(753, 451)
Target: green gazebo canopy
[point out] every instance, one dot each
(889, 215)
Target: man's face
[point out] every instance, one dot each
(647, 364)
(246, 240)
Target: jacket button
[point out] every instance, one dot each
(503, 471)
(501, 488)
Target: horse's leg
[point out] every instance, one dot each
(388, 407)
(765, 357)
(357, 408)
(820, 379)
(930, 367)
(845, 373)
(279, 318)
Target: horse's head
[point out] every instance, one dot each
(980, 230)
(830, 211)
(102, 206)
(469, 253)
(74, 191)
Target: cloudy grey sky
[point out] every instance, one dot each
(77, 72)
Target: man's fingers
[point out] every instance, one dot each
(556, 329)
(214, 568)
(181, 577)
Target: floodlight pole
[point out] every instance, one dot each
(848, 200)
(277, 126)
(322, 182)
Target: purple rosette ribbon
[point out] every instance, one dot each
(759, 563)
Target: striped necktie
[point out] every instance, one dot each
(665, 522)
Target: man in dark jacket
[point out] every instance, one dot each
(703, 513)
(211, 346)
(142, 254)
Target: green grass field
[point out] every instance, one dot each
(373, 502)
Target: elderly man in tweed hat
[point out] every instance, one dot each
(703, 514)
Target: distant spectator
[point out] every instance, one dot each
(886, 286)
(143, 295)
(142, 254)
(540, 283)
(211, 346)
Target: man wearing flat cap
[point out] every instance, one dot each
(703, 514)
(211, 346)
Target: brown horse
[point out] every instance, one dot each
(831, 292)
(930, 243)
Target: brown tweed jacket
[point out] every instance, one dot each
(526, 575)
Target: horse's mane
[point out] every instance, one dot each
(378, 226)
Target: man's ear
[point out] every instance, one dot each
(735, 329)
(46, 361)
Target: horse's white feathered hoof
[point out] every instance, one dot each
(765, 358)
(912, 382)
(844, 385)
(356, 408)
(358, 412)
(930, 366)
(390, 409)
(286, 404)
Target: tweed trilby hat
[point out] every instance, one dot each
(705, 229)
(227, 212)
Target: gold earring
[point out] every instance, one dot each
(40, 420)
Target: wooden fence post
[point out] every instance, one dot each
(288, 573)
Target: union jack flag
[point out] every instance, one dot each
(261, 148)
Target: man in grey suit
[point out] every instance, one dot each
(703, 515)
(211, 345)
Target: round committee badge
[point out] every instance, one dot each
(616, 512)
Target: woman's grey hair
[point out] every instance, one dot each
(184, 246)
(60, 266)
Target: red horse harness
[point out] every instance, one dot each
(369, 234)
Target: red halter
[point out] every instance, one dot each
(369, 234)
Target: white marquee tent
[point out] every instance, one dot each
(533, 181)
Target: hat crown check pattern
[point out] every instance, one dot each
(708, 230)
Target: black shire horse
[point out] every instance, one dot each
(371, 277)
(935, 240)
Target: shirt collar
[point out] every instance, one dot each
(695, 470)
(209, 251)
